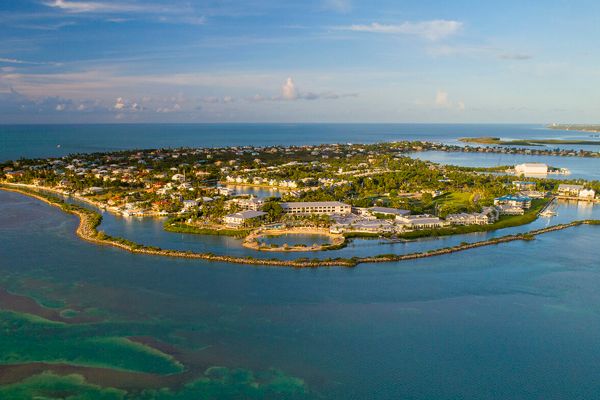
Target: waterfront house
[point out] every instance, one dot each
(588, 194)
(424, 221)
(507, 209)
(240, 218)
(569, 190)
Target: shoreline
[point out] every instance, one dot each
(89, 220)
(252, 240)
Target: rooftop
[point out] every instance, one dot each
(389, 210)
(247, 214)
(314, 204)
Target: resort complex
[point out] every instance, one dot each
(348, 189)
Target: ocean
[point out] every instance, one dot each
(31, 141)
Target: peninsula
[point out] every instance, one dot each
(337, 191)
(528, 142)
(575, 127)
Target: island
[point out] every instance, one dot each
(328, 193)
(576, 127)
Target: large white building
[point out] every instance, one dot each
(424, 221)
(316, 207)
(239, 218)
(531, 169)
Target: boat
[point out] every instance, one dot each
(548, 213)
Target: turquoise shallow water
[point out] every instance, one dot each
(517, 321)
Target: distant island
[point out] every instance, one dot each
(575, 127)
(527, 142)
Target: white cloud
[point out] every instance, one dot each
(91, 6)
(17, 61)
(442, 100)
(288, 90)
(431, 30)
(173, 14)
(120, 104)
(127, 105)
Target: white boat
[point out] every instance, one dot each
(548, 213)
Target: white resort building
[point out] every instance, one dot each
(531, 169)
(424, 221)
(239, 218)
(316, 207)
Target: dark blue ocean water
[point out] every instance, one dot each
(31, 141)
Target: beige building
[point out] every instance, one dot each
(316, 207)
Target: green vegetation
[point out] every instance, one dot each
(178, 226)
(454, 202)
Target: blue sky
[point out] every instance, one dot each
(301, 61)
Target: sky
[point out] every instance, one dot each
(105, 61)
